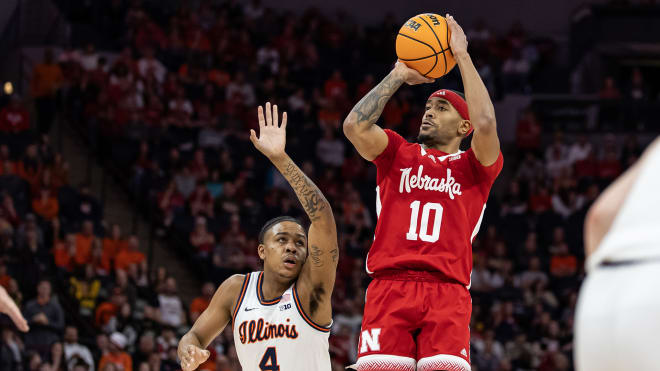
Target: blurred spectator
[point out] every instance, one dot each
(46, 205)
(131, 255)
(580, 150)
(89, 59)
(46, 319)
(85, 288)
(74, 352)
(84, 241)
(330, 150)
(117, 355)
(14, 118)
(200, 303)
(609, 89)
(149, 65)
(200, 238)
(46, 80)
(240, 91)
(556, 157)
(114, 242)
(170, 305)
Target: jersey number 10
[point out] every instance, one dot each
(423, 235)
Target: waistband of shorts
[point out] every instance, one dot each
(406, 275)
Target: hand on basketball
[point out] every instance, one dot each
(272, 136)
(191, 357)
(410, 76)
(458, 41)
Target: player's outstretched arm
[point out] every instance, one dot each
(359, 126)
(192, 346)
(485, 142)
(602, 213)
(317, 278)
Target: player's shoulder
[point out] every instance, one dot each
(232, 287)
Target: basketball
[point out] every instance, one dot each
(423, 44)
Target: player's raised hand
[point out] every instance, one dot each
(8, 307)
(458, 41)
(272, 136)
(409, 75)
(191, 357)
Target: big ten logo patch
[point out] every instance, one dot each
(285, 307)
(412, 24)
(434, 19)
(369, 340)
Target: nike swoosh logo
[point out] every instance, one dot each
(249, 309)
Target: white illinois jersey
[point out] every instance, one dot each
(635, 231)
(277, 335)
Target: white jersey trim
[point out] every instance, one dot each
(423, 152)
(385, 362)
(446, 362)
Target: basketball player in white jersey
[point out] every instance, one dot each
(280, 317)
(617, 324)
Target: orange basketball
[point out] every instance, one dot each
(423, 44)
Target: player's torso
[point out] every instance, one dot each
(429, 208)
(273, 335)
(634, 234)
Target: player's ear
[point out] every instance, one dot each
(464, 127)
(261, 250)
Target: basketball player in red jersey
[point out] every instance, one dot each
(431, 199)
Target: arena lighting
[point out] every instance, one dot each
(8, 88)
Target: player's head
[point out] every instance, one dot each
(283, 246)
(445, 119)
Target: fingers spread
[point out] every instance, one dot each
(260, 114)
(275, 116)
(269, 115)
(284, 120)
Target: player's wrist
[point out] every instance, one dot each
(461, 56)
(277, 157)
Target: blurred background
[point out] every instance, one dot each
(129, 189)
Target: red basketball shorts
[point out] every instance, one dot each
(415, 321)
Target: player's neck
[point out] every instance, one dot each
(274, 286)
(447, 148)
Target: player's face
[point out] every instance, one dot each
(440, 123)
(284, 250)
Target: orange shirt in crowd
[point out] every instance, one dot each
(112, 247)
(46, 208)
(121, 359)
(46, 79)
(62, 257)
(83, 248)
(199, 304)
(104, 312)
(126, 257)
(560, 265)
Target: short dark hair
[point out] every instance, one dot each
(269, 224)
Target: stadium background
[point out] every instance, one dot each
(130, 189)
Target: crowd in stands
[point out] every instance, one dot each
(171, 112)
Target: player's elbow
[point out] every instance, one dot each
(485, 123)
(350, 126)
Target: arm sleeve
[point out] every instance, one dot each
(384, 161)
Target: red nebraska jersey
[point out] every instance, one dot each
(430, 205)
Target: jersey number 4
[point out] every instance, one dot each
(423, 228)
(269, 361)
